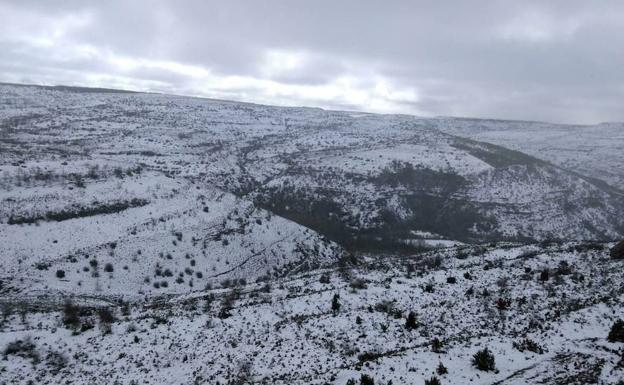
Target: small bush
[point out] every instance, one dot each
(368, 356)
(71, 316)
(60, 274)
(106, 319)
(617, 332)
(502, 304)
(411, 323)
(484, 360)
(451, 280)
(108, 268)
(441, 369)
(437, 345)
(617, 251)
(335, 304)
(528, 344)
(365, 379)
(106, 315)
(358, 284)
(22, 348)
(324, 278)
(432, 381)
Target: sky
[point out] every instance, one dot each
(556, 61)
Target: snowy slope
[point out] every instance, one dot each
(355, 178)
(286, 332)
(594, 151)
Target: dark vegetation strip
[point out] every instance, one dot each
(78, 212)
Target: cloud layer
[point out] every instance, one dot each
(557, 61)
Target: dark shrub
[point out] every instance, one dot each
(617, 251)
(71, 316)
(60, 274)
(23, 348)
(358, 283)
(411, 322)
(227, 305)
(564, 268)
(106, 319)
(617, 332)
(366, 380)
(324, 278)
(544, 275)
(108, 268)
(441, 369)
(451, 280)
(336, 304)
(432, 381)
(528, 344)
(368, 356)
(502, 304)
(484, 360)
(436, 345)
(106, 315)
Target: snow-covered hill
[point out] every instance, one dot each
(363, 180)
(594, 151)
(158, 239)
(143, 233)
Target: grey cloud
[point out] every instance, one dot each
(557, 61)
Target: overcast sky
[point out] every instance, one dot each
(559, 61)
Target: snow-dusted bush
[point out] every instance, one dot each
(436, 345)
(528, 344)
(432, 381)
(617, 251)
(358, 284)
(335, 304)
(23, 348)
(365, 379)
(411, 323)
(617, 332)
(484, 360)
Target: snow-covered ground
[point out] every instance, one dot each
(286, 331)
(217, 235)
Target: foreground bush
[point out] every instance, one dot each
(22, 348)
(617, 332)
(617, 251)
(484, 360)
